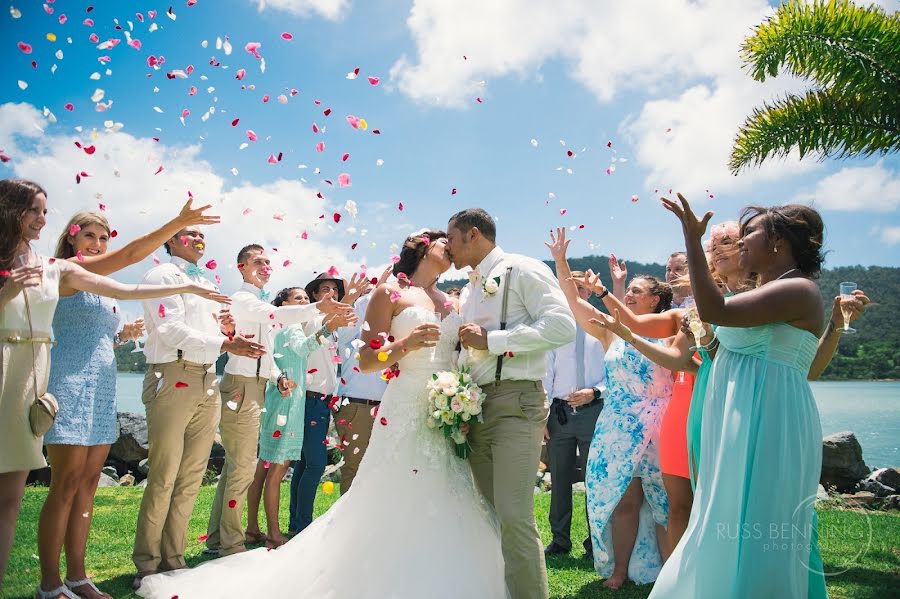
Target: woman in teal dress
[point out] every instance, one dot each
(760, 422)
(283, 420)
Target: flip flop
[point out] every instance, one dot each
(62, 591)
(253, 537)
(74, 584)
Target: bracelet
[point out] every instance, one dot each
(604, 294)
(117, 339)
(712, 343)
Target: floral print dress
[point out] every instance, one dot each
(626, 446)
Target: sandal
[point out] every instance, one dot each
(74, 584)
(254, 537)
(62, 591)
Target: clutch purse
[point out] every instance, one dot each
(44, 408)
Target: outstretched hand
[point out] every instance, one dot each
(190, 216)
(614, 325)
(558, 244)
(589, 281)
(617, 270)
(693, 228)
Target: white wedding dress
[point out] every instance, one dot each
(412, 526)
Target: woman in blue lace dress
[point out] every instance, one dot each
(83, 379)
(626, 499)
(760, 421)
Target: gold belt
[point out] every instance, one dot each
(17, 337)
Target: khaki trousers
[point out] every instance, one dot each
(353, 420)
(181, 425)
(239, 429)
(505, 449)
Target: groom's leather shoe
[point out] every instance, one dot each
(555, 548)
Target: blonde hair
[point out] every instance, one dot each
(64, 248)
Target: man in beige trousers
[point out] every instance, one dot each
(514, 311)
(243, 392)
(184, 340)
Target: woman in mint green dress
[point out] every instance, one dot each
(747, 537)
(282, 422)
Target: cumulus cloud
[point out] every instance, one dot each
(122, 177)
(856, 189)
(890, 235)
(329, 9)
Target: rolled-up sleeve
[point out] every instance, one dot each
(553, 324)
(170, 323)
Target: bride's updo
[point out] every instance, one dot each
(414, 249)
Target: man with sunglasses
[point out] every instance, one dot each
(576, 384)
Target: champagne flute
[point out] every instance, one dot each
(847, 289)
(574, 409)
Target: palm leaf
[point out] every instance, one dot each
(824, 122)
(836, 43)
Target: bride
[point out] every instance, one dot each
(414, 525)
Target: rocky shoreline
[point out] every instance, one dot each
(844, 471)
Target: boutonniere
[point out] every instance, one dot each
(491, 286)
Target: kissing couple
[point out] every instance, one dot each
(419, 521)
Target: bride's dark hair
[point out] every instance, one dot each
(414, 249)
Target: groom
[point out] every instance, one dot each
(514, 311)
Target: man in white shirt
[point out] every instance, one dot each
(514, 312)
(575, 384)
(360, 394)
(184, 340)
(243, 392)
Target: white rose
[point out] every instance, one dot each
(491, 287)
(447, 418)
(456, 405)
(446, 379)
(442, 402)
(474, 409)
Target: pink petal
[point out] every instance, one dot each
(344, 180)
(332, 271)
(253, 48)
(74, 229)
(400, 206)
(193, 91)
(374, 80)
(272, 159)
(69, 106)
(286, 263)
(287, 36)
(136, 44)
(304, 235)
(240, 74)
(345, 157)
(251, 135)
(63, 19)
(161, 311)
(211, 265)
(26, 48)
(88, 22)
(159, 170)
(354, 121)
(320, 147)
(315, 128)
(478, 100)
(265, 98)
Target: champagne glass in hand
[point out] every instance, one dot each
(847, 296)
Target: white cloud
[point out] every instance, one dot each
(329, 9)
(890, 235)
(856, 189)
(137, 201)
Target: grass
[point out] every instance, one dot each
(870, 574)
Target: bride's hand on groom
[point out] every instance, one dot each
(473, 336)
(424, 335)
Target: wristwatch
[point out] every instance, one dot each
(598, 394)
(604, 294)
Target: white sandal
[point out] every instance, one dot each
(73, 584)
(61, 591)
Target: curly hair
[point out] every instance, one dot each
(414, 249)
(283, 295)
(16, 196)
(800, 226)
(660, 289)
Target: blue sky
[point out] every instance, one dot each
(663, 85)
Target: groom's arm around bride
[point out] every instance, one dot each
(514, 311)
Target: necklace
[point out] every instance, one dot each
(786, 273)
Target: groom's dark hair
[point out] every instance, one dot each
(464, 220)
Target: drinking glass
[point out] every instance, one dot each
(574, 409)
(847, 296)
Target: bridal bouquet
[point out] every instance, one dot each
(453, 399)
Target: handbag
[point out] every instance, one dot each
(44, 408)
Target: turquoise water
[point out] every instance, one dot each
(869, 409)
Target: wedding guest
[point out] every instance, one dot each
(759, 416)
(324, 371)
(185, 337)
(283, 421)
(360, 394)
(626, 499)
(575, 382)
(83, 379)
(453, 292)
(29, 293)
(243, 392)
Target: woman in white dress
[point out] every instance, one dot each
(414, 524)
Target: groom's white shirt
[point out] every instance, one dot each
(538, 317)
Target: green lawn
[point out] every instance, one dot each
(874, 573)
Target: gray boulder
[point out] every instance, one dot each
(144, 467)
(842, 462)
(889, 477)
(107, 481)
(110, 472)
(873, 486)
(131, 446)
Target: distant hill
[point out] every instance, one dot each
(873, 353)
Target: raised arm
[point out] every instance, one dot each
(581, 309)
(795, 298)
(79, 279)
(659, 325)
(138, 249)
(828, 342)
(619, 274)
(675, 356)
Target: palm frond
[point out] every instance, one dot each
(836, 43)
(822, 122)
